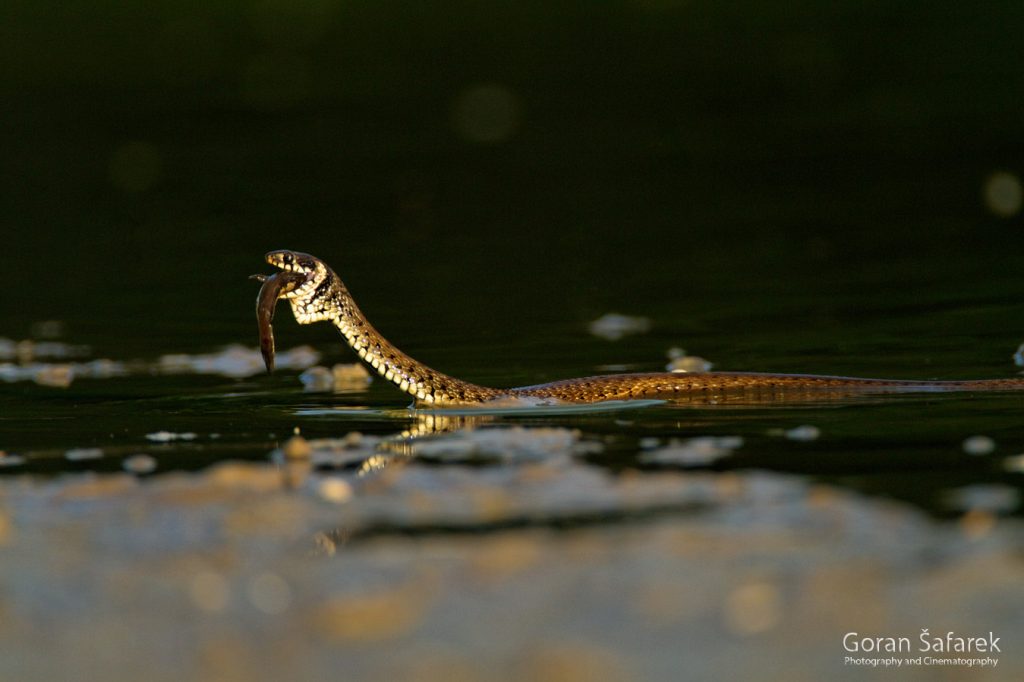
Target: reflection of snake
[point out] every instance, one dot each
(317, 294)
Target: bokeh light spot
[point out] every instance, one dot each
(487, 114)
(979, 445)
(1003, 194)
(139, 464)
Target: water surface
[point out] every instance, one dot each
(834, 191)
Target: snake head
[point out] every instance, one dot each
(310, 298)
(311, 268)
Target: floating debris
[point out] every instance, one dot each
(512, 444)
(28, 350)
(693, 452)
(352, 375)
(60, 375)
(11, 373)
(614, 326)
(340, 377)
(329, 453)
(233, 361)
(101, 368)
(168, 436)
(1018, 357)
(1014, 463)
(296, 447)
(681, 362)
(139, 464)
(317, 380)
(83, 454)
(236, 361)
(10, 460)
(804, 432)
(335, 490)
(993, 498)
(979, 445)
(57, 376)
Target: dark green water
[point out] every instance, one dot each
(776, 190)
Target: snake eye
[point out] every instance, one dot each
(287, 258)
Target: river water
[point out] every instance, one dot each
(836, 198)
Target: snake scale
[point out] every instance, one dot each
(317, 294)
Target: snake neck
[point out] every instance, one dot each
(333, 302)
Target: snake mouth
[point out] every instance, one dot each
(302, 268)
(298, 276)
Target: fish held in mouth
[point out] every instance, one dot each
(275, 286)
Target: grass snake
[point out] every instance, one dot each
(317, 294)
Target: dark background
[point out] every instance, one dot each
(484, 171)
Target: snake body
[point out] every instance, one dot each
(317, 294)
